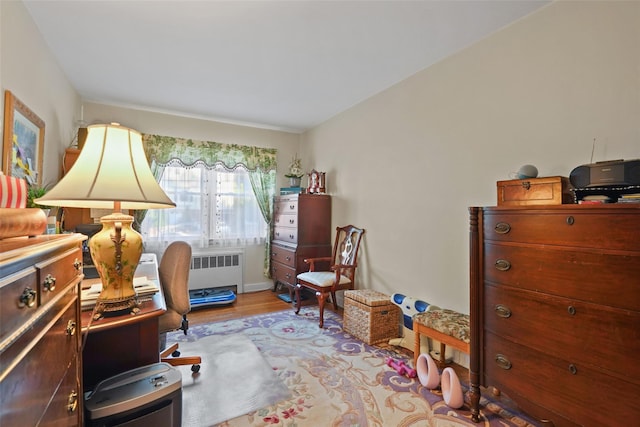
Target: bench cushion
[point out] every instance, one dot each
(448, 322)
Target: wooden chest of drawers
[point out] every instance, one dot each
(555, 310)
(40, 363)
(302, 229)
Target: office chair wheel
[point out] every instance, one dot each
(195, 368)
(175, 353)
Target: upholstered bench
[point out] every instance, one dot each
(448, 327)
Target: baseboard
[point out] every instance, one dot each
(255, 287)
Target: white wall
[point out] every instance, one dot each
(30, 72)
(407, 163)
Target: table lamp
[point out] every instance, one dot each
(112, 172)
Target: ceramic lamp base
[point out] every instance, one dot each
(116, 251)
(115, 307)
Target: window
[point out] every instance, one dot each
(214, 207)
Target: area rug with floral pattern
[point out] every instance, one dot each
(334, 379)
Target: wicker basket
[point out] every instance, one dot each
(371, 316)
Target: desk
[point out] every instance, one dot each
(115, 344)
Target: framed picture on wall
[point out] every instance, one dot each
(23, 141)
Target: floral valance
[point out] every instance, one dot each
(163, 150)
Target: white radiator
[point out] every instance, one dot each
(217, 269)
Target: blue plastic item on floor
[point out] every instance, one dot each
(211, 296)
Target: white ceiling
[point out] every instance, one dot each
(287, 65)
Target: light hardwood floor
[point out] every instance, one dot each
(247, 304)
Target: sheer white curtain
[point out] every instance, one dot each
(215, 207)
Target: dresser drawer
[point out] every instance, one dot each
(285, 206)
(66, 406)
(558, 385)
(31, 377)
(582, 332)
(281, 220)
(18, 300)
(56, 272)
(285, 234)
(283, 274)
(283, 255)
(614, 229)
(608, 278)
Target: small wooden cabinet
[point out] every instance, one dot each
(40, 361)
(302, 229)
(72, 217)
(555, 310)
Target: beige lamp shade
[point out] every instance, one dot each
(111, 167)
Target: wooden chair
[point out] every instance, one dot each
(341, 273)
(174, 278)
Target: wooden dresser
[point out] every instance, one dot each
(40, 363)
(555, 311)
(302, 229)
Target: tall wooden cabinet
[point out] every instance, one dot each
(555, 310)
(40, 362)
(302, 229)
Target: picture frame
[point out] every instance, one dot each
(23, 141)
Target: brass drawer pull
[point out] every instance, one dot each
(28, 298)
(291, 236)
(573, 369)
(502, 311)
(49, 283)
(572, 310)
(570, 220)
(503, 362)
(72, 401)
(274, 254)
(288, 258)
(292, 221)
(288, 275)
(502, 265)
(292, 207)
(71, 328)
(77, 264)
(526, 185)
(502, 228)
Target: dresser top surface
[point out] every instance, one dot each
(16, 247)
(538, 209)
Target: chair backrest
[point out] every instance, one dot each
(345, 249)
(174, 277)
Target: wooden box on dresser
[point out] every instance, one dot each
(302, 229)
(555, 311)
(40, 362)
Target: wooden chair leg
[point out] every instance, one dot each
(167, 351)
(298, 299)
(321, 301)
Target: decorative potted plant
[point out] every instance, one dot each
(34, 192)
(295, 172)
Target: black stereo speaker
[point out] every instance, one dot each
(607, 173)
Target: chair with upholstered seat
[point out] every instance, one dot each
(174, 278)
(341, 272)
